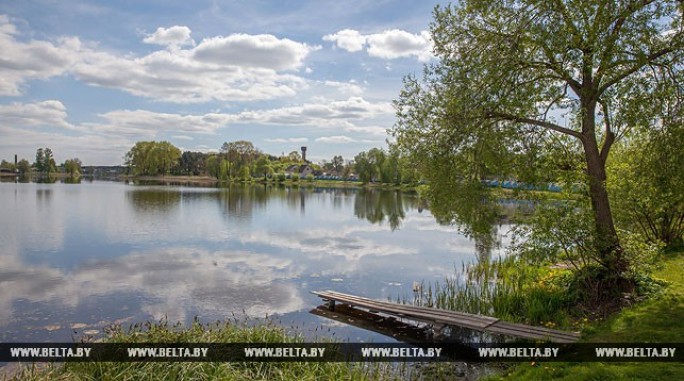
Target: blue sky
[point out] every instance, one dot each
(90, 78)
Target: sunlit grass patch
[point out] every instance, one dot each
(162, 332)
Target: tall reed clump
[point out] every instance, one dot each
(509, 289)
(263, 332)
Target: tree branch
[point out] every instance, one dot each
(615, 32)
(635, 68)
(610, 135)
(540, 123)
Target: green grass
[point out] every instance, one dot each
(509, 289)
(217, 333)
(657, 320)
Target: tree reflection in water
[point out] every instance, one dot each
(378, 206)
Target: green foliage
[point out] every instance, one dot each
(239, 154)
(295, 177)
(45, 162)
(244, 174)
(153, 158)
(657, 320)
(281, 177)
(193, 163)
(7, 165)
(484, 109)
(509, 289)
(73, 167)
(310, 178)
(212, 163)
(365, 167)
(263, 332)
(337, 163)
(24, 166)
(224, 170)
(262, 167)
(558, 231)
(647, 185)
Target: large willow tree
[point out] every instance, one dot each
(520, 84)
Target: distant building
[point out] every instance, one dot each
(302, 170)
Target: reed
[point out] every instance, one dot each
(233, 332)
(509, 289)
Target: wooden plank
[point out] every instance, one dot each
(385, 325)
(529, 332)
(476, 319)
(461, 319)
(525, 327)
(480, 320)
(428, 315)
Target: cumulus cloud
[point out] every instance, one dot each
(238, 67)
(150, 123)
(398, 43)
(326, 114)
(262, 51)
(337, 139)
(216, 69)
(173, 36)
(287, 140)
(390, 44)
(347, 39)
(45, 113)
(24, 61)
(370, 130)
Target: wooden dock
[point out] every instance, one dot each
(439, 317)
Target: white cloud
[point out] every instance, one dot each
(322, 114)
(173, 36)
(396, 43)
(238, 67)
(337, 139)
(178, 76)
(149, 123)
(212, 281)
(287, 140)
(370, 130)
(347, 39)
(50, 113)
(24, 61)
(249, 51)
(182, 137)
(390, 44)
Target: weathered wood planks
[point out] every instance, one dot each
(461, 319)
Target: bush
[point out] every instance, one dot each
(281, 177)
(645, 180)
(295, 177)
(310, 178)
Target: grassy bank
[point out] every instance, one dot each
(656, 320)
(198, 333)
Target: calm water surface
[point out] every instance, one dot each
(75, 258)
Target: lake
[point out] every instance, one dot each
(75, 258)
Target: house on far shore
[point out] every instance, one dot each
(302, 170)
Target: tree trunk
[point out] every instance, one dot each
(607, 243)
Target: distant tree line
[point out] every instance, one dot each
(241, 161)
(44, 164)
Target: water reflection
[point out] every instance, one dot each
(241, 200)
(102, 252)
(169, 282)
(378, 206)
(72, 180)
(152, 200)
